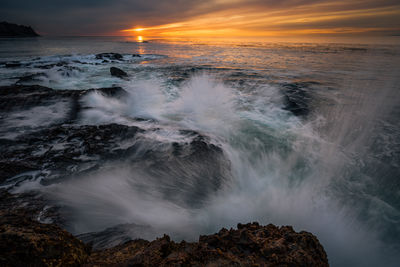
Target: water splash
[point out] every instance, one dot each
(283, 169)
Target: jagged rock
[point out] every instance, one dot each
(14, 30)
(109, 56)
(57, 150)
(118, 72)
(26, 242)
(249, 245)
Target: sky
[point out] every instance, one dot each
(206, 18)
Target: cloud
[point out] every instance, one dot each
(109, 17)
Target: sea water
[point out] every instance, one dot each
(310, 134)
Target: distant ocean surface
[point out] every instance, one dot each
(301, 134)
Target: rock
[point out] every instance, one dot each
(136, 55)
(118, 72)
(61, 149)
(109, 56)
(117, 92)
(249, 245)
(14, 30)
(116, 235)
(31, 77)
(297, 99)
(26, 242)
(14, 64)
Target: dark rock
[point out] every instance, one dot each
(25, 242)
(117, 92)
(31, 78)
(116, 235)
(118, 72)
(136, 55)
(11, 169)
(62, 150)
(297, 98)
(96, 143)
(31, 205)
(14, 30)
(251, 245)
(109, 56)
(14, 64)
(18, 97)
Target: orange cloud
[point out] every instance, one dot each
(334, 18)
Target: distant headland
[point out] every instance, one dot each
(14, 30)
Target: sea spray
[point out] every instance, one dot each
(223, 148)
(281, 171)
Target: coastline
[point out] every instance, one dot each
(25, 241)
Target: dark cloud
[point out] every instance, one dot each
(94, 16)
(97, 17)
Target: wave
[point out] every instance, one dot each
(255, 161)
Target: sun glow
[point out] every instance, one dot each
(140, 39)
(304, 20)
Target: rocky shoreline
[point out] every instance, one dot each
(59, 148)
(26, 242)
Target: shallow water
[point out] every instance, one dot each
(309, 135)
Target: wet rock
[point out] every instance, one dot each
(116, 235)
(136, 55)
(57, 150)
(20, 97)
(109, 56)
(297, 98)
(35, 77)
(60, 151)
(249, 245)
(117, 92)
(118, 72)
(26, 242)
(11, 169)
(14, 64)
(31, 205)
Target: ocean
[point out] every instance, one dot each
(302, 134)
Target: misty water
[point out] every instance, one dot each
(305, 134)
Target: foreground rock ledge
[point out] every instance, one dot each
(26, 242)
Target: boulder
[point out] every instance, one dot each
(109, 56)
(118, 72)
